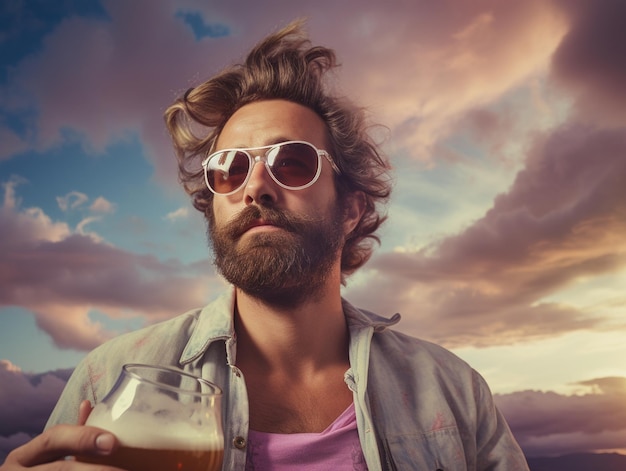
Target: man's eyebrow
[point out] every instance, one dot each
(280, 139)
(270, 142)
(277, 140)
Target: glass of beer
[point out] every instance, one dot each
(165, 420)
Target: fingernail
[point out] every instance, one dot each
(104, 443)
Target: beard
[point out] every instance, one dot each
(283, 267)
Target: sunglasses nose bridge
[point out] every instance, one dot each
(254, 160)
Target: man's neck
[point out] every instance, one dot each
(301, 339)
(293, 361)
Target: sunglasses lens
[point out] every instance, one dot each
(294, 164)
(226, 171)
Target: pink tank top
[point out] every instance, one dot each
(337, 448)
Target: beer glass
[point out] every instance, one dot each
(165, 420)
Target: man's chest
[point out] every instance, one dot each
(293, 407)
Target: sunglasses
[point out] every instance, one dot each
(293, 165)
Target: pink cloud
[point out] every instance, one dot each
(72, 200)
(448, 59)
(102, 205)
(111, 84)
(107, 80)
(116, 81)
(562, 219)
(60, 276)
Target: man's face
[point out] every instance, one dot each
(277, 244)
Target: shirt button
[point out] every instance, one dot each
(239, 442)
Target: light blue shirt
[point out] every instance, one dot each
(418, 406)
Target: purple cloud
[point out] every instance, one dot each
(26, 400)
(60, 276)
(549, 423)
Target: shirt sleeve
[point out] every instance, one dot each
(77, 389)
(496, 448)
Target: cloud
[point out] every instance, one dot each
(29, 225)
(447, 58)
(102, 205)
(76, 199)
(26, 400)
(11, 143)
(80, 227)
(562, 220)
(590, 61)
(61, 275)
(180, 213)
(72, 200)
(549, 423)
(450, 64)
(108, 87)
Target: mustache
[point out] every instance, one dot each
(279, 218)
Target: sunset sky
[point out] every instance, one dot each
(505, 122)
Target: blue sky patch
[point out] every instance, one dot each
(200, 28)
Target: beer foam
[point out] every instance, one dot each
(139, 430)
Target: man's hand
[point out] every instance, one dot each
(49, 450)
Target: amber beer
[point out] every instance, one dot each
(142, 459)
(148, 444)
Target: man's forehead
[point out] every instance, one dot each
(271, 121)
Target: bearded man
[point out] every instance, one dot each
(292, 187)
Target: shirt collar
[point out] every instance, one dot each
(360, 318)
(215, 322)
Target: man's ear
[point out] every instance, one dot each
(353, 211)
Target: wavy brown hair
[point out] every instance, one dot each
(285, 66)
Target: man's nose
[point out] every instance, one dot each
(260, 188)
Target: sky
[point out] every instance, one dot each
(504, 121)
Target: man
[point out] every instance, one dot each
(291, 186)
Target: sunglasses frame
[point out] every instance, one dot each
(252, 161)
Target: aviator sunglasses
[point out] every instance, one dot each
(293, 165)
